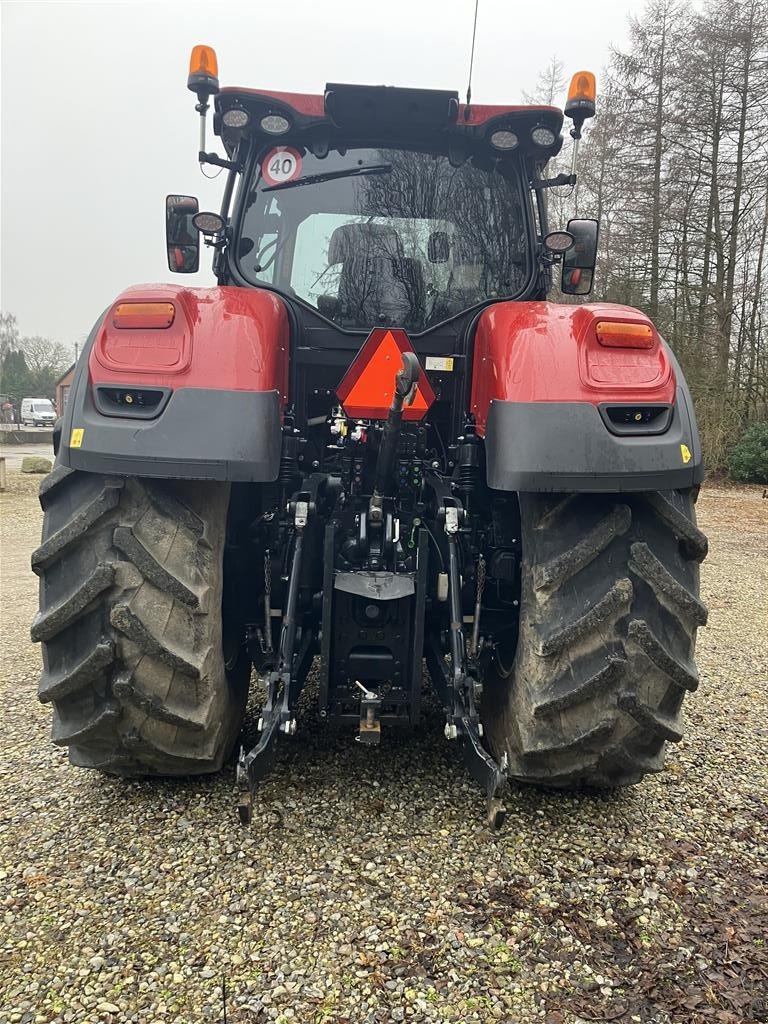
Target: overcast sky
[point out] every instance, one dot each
(98, 125)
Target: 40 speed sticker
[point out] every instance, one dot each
(280, 165)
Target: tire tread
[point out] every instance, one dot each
(130, 622)
(604, 655)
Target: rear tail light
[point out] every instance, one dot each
(144, 315)
(143, 403)
(615, 334)
(640, 418)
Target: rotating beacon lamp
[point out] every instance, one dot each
(203, 80)
(580, 105)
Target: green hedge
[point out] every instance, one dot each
(749, 458)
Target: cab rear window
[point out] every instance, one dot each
(382, 236)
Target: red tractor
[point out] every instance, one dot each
(374, 443)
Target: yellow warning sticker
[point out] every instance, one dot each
(685, 451)
(444, 363)
(76, 438)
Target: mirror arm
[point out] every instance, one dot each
(217, 161)
(560, 179)
(550, 259)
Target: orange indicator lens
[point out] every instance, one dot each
(144, 314)
(620, 335)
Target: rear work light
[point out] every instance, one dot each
(503, 139)
(275, 124)
(144, 315)
(615, 334)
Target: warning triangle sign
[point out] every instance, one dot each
(368, 385)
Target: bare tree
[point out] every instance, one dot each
(44, 357)
(675, 169)
(549, 85)
(9, 333)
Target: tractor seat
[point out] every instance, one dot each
(377, 283)
(372, 241)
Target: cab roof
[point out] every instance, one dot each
(391, 114)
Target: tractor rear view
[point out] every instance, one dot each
(373, 444)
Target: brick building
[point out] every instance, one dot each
(62, 386)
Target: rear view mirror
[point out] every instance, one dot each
(438, 247)
(579, 261)
(181, 236)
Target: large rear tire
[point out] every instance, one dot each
(131, 587)
(604, 657)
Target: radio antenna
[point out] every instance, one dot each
(471, 63)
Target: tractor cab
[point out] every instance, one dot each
(408, 216)
(375, 206)
(369, 207)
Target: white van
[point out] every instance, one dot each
(37, 411)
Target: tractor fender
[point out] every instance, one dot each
(207, 392)
(546, 392)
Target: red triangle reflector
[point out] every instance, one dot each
(368, 385)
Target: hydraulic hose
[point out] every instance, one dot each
(406, 380)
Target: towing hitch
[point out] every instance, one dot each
(372, 592)
(370, 723)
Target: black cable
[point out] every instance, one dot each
(437, 546)
(210, 177)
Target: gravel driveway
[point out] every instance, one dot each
(367, 889)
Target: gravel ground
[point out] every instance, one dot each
(367, 889)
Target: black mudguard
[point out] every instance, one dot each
(200, 433)
(567, 446)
